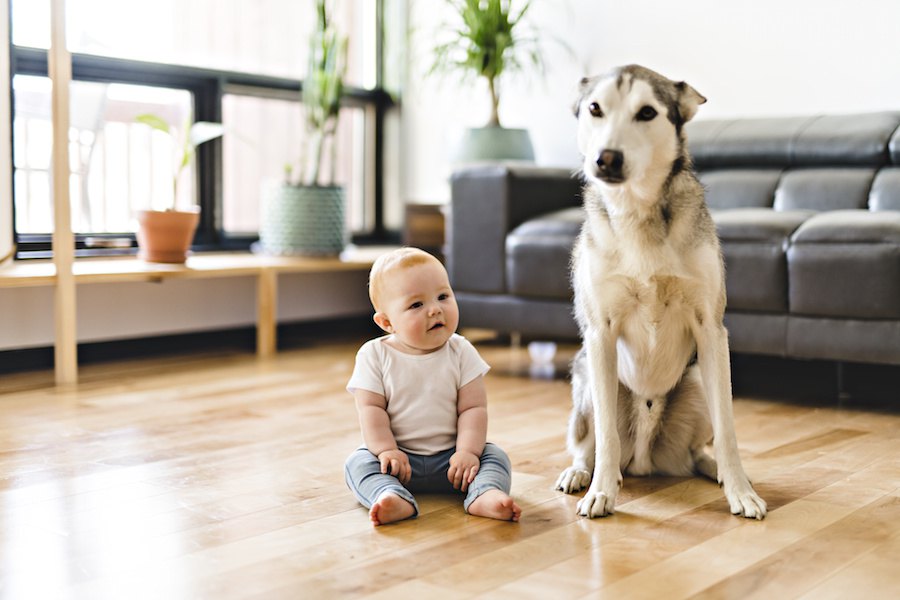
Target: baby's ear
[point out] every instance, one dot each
(382, 321)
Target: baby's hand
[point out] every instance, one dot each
(463, 468)
(396, 463)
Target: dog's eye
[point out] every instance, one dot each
(647, 113)
(595, 109)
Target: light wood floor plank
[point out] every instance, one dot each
(873, 574)
(220, 475)
(791, 571)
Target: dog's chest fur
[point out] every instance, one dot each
(639, 272)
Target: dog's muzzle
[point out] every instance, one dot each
(611, 166)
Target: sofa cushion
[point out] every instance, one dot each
(752, 143)
(824, 189)
(540, 317)
(756, 333)
(817, 141)
(894, 147)
(758, 224)
(853, 340)
(754, 241)
(538, 253)
(846, 264)
(851, 226)
(734, 188)
(885, 192)
(857, 139)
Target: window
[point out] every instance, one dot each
(263, 140)
(187, 60)
(118, 165)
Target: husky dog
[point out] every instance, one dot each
(651, 385)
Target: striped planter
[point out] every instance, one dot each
(303, 221)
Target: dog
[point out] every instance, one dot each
(651, 385)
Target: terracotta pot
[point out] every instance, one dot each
(166, 236)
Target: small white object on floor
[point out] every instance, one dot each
(542, 354)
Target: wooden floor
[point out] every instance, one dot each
(220, 476)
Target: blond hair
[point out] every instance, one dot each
(401, 258)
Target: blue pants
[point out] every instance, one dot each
(362, 472)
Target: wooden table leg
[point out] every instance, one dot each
(266, 313)
(65, 345)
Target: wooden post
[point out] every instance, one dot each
(7, 238)
(266, 312)
(60, 67)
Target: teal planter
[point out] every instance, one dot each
(495, 143)
(303, 221)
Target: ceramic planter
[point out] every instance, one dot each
(166, 236)
(494, 143)
(303, 221)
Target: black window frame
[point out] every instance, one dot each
(207, 87)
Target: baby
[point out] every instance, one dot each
(421, 399)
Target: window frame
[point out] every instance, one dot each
(207, 87)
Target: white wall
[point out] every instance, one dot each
(765, 57)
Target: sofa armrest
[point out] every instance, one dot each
(487, 202)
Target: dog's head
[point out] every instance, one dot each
(630, 125)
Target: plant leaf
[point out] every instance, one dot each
(154, 121)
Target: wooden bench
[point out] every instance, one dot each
(266, 269)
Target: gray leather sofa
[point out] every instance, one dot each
(807, 208)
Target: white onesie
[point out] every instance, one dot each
(420, 389)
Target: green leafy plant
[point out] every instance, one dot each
(487, 40)
(188, 138)
(322, 91)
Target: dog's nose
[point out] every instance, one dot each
(610, 163)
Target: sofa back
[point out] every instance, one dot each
(821, 163)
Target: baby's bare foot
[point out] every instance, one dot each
(390, 508)
(494, 504)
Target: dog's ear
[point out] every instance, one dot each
(584, 86)
(688, 100)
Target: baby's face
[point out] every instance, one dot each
(421, 307)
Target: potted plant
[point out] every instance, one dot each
(488, 41)
(165, 235)
(304, 213)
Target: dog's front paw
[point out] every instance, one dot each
(744, 501)
(573, 479)
(597, 504)
(600, 499)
